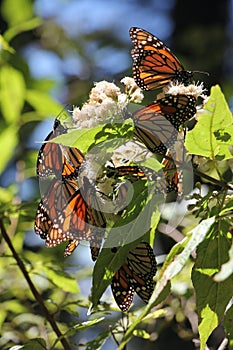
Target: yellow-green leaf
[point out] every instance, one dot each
(13, 89)
(212, 136)
(8, 142)
(43, 103)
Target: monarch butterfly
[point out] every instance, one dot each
(136, 275)
(81, 219)
(64, 215)
(54, 159)
(51, 204)
(154, 64)
(131, 171)
(172, 175)
(156, 125)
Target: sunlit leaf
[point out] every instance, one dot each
(22, 27)
(43, 103)
(212, 136)
(100, 139)
(17, 12)
(4, 45)
(227, 207)
(14, 306)
(81, 138)
(34, 344)
(61, 279)
(141, 333)
(162, 286)
(226, 269)
(152, 163)
(176, 260)
(155, 314)
(84, 325)
(8, 142)
(212, 297)
(12, 93)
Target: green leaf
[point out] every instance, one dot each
(81, 139)
(98, 342)
(84, 325)
(61, 279)
(3, 316)
(137, 219)
(163, 284)
(5, 45)
(155, 314)
(212, 297)
(16, 12)
(12, 93)
(14, 306)
(43, 103)
(227, 207)
(22, 27)
(175, 262)
(152, 163)
(34, 344)
(8, 142)
(141, 333)
(212, 136)
(124, 235)
(228, 326)
(105, 138)
(226, 269)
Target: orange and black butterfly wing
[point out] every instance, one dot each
(50, 158)
(154, 64)
(50, 205)
(122, 289)
(73, 159)
(70, 223)
(177, 109)
(172, 175)
(142, 265)
(142, 286)
(72, 245)
(157, 124)
(141, 260)
(153, 129)
(43, 221)
(95, 217)
(129, 171)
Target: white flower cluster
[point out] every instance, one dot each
(106, 104)
(176, 88)
(132, 151)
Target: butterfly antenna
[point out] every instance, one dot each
(199, 71)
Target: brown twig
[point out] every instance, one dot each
(33, 289)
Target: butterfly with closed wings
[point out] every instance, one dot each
(135, 275)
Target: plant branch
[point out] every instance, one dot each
(33, 289)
